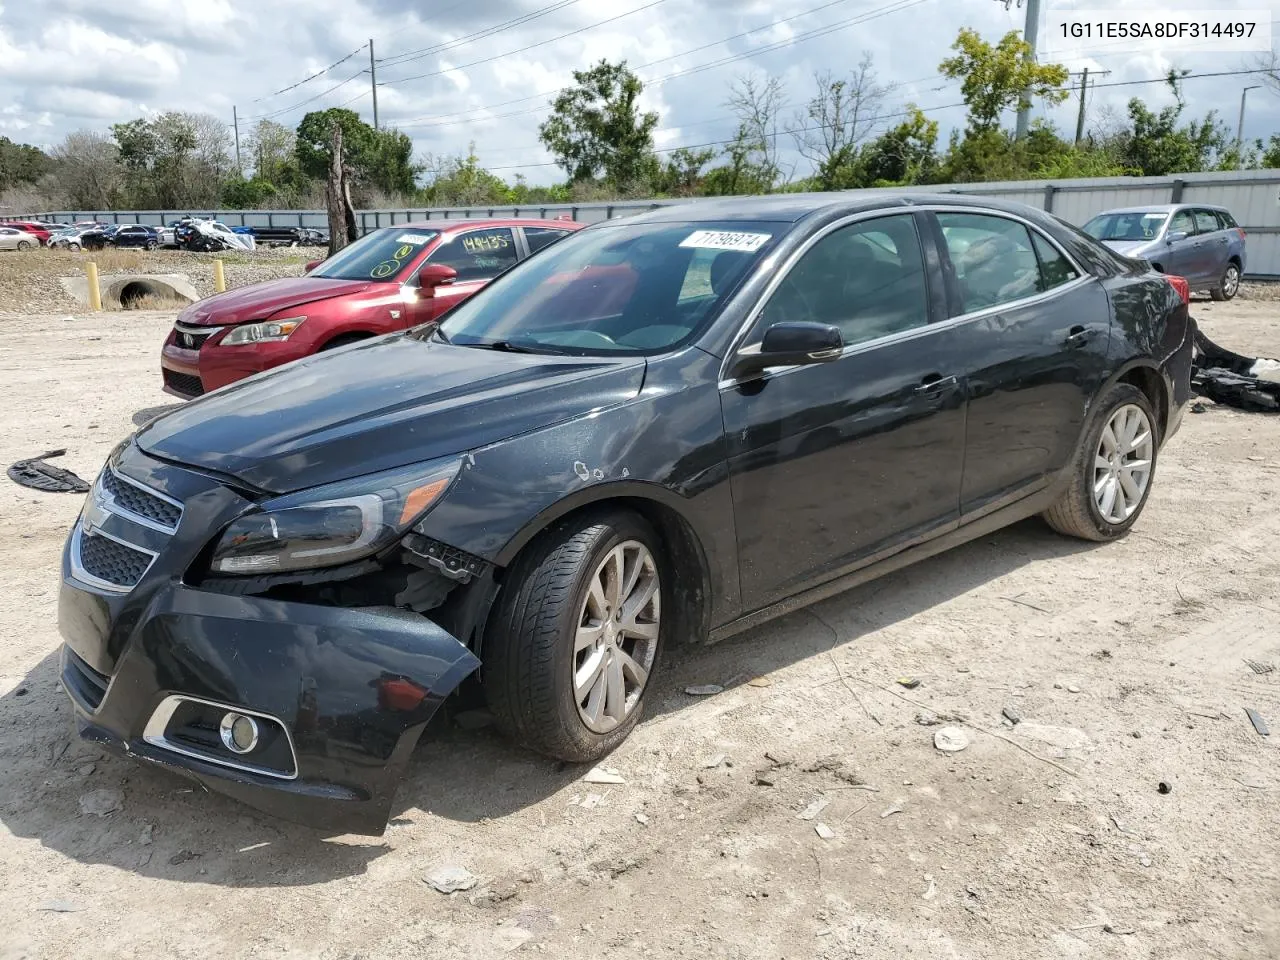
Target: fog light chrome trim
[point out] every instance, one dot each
(158, 724)
(227, 730)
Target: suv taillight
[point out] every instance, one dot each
(1240, 230)
(1181, 285)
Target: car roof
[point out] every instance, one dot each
(1163, 208)
(453, 226)
(790, 207)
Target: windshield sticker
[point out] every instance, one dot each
(726, 240)
(417, 239)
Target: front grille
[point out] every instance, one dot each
(112, 562)
(140, 502)
(184, 383)
(86, 684)
(192, 338)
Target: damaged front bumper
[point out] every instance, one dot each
(336, 698)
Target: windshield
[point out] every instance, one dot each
(616, 288)
(1126, 226)
(381, 255)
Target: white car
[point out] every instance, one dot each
(11, 239)
(68, 238)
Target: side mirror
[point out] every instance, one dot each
(312, 265)
(434, 275)
(790, 344)
(1175, 236)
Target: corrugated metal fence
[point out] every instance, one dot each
(1253, 196)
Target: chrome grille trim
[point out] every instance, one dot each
(84, 576)
(112, 505)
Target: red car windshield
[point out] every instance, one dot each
(383, 255)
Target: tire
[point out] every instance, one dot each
(1077, 512)
(1229, 285)
(149, 245)
(73, 247)
(530, 656)
(24, 244)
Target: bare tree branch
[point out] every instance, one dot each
(840, 117)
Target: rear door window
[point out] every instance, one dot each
(539, 237)
(994, 260)
(1227, 221)
(1207, 222)
(477, 254)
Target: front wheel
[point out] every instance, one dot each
(574, 638)
(1113, 469)
(1229, 285)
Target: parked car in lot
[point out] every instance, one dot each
(38, 232)
(11, 238)
(386, 281)
(126, 235)
(664, 427)
(68, 238)
(1198, 241)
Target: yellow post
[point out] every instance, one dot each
(95, 292)
(219, 279)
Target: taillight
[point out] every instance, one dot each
(1181, 285)
(1240, 230)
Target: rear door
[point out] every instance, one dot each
(1214, 246)
(1033, 330)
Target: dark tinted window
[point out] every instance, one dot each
(1206, 221)
(1182, 222)
(381, 255)
(993, 257)
(868, 279)
(1055, 269)
(478, 255)
(539, 237)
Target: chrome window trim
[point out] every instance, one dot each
(112, 505)
(80, 574)
(154, 734)
(1084, 277)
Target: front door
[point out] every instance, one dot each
(478, 256)
(835, 464)
(1179, 257)
(1032, 334)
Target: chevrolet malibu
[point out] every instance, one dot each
(668, 427)
(388, 280)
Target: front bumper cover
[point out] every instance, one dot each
(352, 688)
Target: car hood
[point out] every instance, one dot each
(381, 404)
(1129, 248)
(260, 300)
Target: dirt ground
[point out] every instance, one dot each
(1128, 664)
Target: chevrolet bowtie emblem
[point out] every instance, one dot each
(94, 515)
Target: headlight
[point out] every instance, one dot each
(265, 330)
(331, 525)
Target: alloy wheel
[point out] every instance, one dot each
(1122, 463)
(616, 640)
(1231, 281)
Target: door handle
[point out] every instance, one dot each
(936, 383)
(1078, 337)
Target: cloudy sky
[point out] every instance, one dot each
(453, 72)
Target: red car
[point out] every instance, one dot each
(388, 280)
(36, 230)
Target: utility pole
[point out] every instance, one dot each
(1029, 33)
(1240, 128)
(373, 78)
(1084, 92)
(235, 122)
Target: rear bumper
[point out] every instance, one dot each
(350, 690)
(1177, 373)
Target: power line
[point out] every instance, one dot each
(540, 43)
(398, 58)
(302, 103)
(318, 73)
(468, 116)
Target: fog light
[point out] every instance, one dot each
(239, 733)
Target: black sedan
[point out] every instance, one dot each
(122, 235)
(662, 428)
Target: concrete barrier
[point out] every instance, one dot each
(121, 291)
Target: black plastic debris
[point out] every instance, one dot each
(1258, 723)
(1230, 378)
(38, 475)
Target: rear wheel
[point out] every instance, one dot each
(1229, 285)
(24, 244)
(1112, 473)
(575, 635)
(73, 247)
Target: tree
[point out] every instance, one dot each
(681, 175)
(21, 163)
(87, 169)
(999, 78)
(836, 122)
(1156, 145)
(461, 182)
(271, 149)
(377, 159)
(904, 154)
(596, 128)
(757, 104)
(175, 160)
